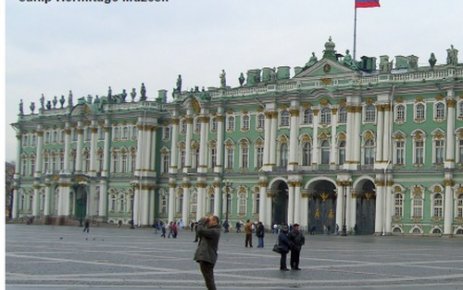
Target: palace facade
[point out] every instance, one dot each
(338, 144)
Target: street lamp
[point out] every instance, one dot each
(228, 185)
(132, 226)
(344, 205)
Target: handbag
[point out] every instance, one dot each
(276, 248)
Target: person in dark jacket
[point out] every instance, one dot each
(206, 254)
(296, 240)
(283, 243)
(260, 231)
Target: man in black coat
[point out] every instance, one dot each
(297, 240)
(206, 254)
(283, 244)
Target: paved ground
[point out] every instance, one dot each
(47, 257)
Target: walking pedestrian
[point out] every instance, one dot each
(248, 232)
(206, 253)
(260, 231)
(297, 240)
(163, 230)
(86, 226)
(283, 244)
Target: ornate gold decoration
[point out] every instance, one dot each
(448, 182)
(294, 112)
(419, 99)
(370, 101)
(331, 214)
(186, 184)
(399, 99)
(334, 111)
(175, 121)
(315, 112)
(203, 119)
(172, 184)
(437, 188)
(324, 102)
(369, 136)
(417, 191)
(451, 103)
(317, 214)
(188, 120)
(439, 97)
(369, 195)
(324, 196)
(263, 183)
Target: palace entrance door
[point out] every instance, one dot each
(322, 207)
(366, 209)
(81, 203)
(280, 203)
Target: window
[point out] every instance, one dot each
(100, 157)
(213, 157)
(183, 127)
(400, 114)
(113, 203)
(74, 135)
(342, 115)
(197, 125)
(417, 204)
(307, 118)
(257, 201)
(459, 211)
(242, 203)
(460, 151)
(398, 205)
(166, 133)
(419, 113)
(229, 157)
(259, 155)
(165, 162)
(133, 159)
(87, 161)
(230, 123)
(182, 158)
(115, 162)
(163, 204)
(116, 133)
(122, 203)
(439, 151)
(245, 124)
(32, 165)
(306, 154)
(370, 113)
(342, 152)
(124, 162)
(47, 137)
(194, 202)
(31, 201)
(55, 136)
(260, 121)
(400, 152)
(101, 133)
(284, 118)
(284, 155)
(437, 205)
(195, 157)
(179, 203)
(325, 152)
(244, 155)
(325, 116)
(134, 133)
(419, 152)
(88, 133)
(214, 124)
(439, 111)
(211, 203)
(460, 109)
(369, 152)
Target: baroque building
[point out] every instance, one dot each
(339, 143)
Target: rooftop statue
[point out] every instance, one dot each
(313, 60)
(123, 95)
(55, 101)
(32, 107)
(61, 101)
(48, 105)
(42, 102)
(133, 94)
(143, 92)
(179, 84)
(348, 61)
(452, 55)
(241, 79)
(223, 81)
(432, 60)
(273, 74)
(70, 102)
(110, 95)
(21, 107)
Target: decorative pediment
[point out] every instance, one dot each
(325, 69)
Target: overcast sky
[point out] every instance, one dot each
(86, 47)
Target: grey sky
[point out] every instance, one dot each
(86, 47)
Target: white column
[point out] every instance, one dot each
(220, 138)
(14, 210)
(35, 202)
(46, 206)
(315, 146)
(67, 148)
(297, 203)
(448, 208)
(387, 138)
(273, 139)
(357, 139)
(268, 209)
(293, 136)
(201, 199)
(350, 137)
(262, 203)
(186, 202)
(334, 125)
(291, 203)
(189, 135)
(267, 138)
(103, 202)
(379, 134)
(93, 147)
(64, 200)
(171, 212)
(173, 146)
(379, 204)
(17, 169)
(351, 209)
(389, 203)
(39, 152)
(450, 138)
(217, 207)
(80, 141)
(304, 221)
(145, 205)
(204, 119)
(148, 148)
(339, 205)
(136, 205)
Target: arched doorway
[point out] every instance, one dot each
(366, 208)
(322, 207)
(280, 203)
(81, 203)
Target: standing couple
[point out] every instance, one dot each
(293, 242)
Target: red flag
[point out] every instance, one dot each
(366, 3)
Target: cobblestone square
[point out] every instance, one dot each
(48, 257)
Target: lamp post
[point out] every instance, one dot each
(344, 205)
(132, 226)
(228, 185)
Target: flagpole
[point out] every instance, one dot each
(355, 32)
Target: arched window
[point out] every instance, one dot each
(230, 157)
(307, 118)
(417, 206)
(214, 124)
(437, 203)
(369, 152)
(259, 154)
(194, 202)
(419, 152)
(400, 114)
(242, 203)
(399, 152)
(398, 205)
(244, 155)
(459, 211)
(260, 121)
(342, 115)
(213, 157)
(306, 154)
(245, 125)
(113, 203)
(284, 118)
(325, 116)
(230, 123)
(460, 151)
(122, 203)
(211, 203)
(342, 152)
(165, 162)
(419, 112)
(439, 151)
(440, 111)
(163, 204)
(284, 155)
(325, 152)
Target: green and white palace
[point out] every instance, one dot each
(333, 144)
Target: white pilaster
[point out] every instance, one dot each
(262, 203)
(450, 138)
(103, 202)
(39, 152)
(267, 139)
(449, 203)
(173, 145)
(315, 151)
(379, 134)
(189, 135)
(80, 143)
(293, 135)
(220, 139)
(334, 125)
(273, 139)
(93, 147)
(298, 204)
(171, 210)
(291, 203)
(204, 119)
(67, 148)
(186, 202)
